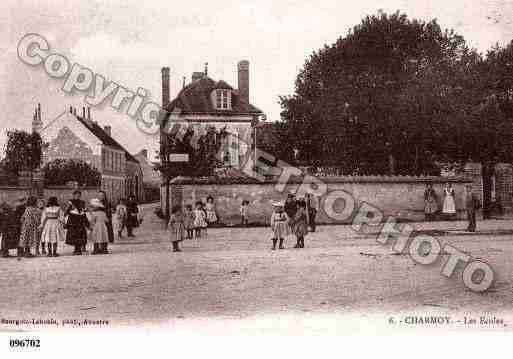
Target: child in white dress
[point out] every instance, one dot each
(210, 210)
(51, 225)
(98, 223)
(279, 225)
(449, 205)
(200, 222)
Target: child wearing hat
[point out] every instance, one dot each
(98, 224)
(279, 225)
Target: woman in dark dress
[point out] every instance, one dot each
(430, 202)
(290, 209)
(8, 229)
(19, 210)
(76, 225)
(108, 211)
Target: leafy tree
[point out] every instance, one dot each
(498, 68)
(61, 171)
(6, 176)
(393, 88)
(270, 138)
(493, 125)
(23, 151)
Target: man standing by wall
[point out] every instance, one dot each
(311, 208)
(471, 204)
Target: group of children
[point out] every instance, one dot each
(192, 223)
(126, 216)
(286, 219)
(289, 218)
(30, 226)
(35, 228)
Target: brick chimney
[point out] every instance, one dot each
(197, 76)
(243, 80)
(108, 130)
(165, 86)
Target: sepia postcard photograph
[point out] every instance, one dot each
(255, 168)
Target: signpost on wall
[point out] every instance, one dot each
(178, 157)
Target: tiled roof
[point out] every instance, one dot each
(195, 98)
(104, 137)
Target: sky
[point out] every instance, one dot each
(130, 41)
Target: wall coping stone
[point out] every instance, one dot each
(312, 179)
(14, 188)
(64, 187)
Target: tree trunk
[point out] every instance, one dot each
(391, 164)
(416, 166)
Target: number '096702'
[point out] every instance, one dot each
(24, 343)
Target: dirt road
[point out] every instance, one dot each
(234, 274)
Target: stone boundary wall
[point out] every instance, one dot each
(64, 193)
(11, 194)
(400, 196)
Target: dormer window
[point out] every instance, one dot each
(223, 99)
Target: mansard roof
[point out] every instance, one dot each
(195, 98)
